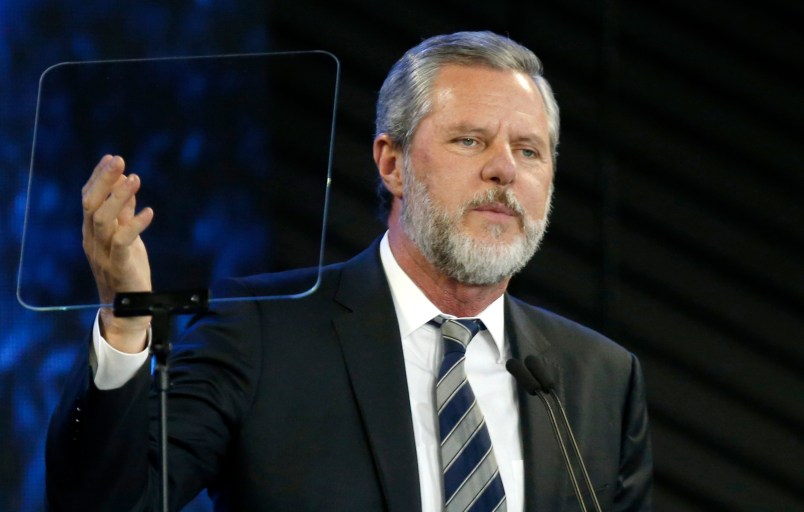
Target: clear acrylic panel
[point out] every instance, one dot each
(234, 153)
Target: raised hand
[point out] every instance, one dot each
(116, 253)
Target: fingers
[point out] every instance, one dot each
(127, 233)
(127, 212)
(100, 183)
(109, 202)
(116, 208)
(126, 246)
(106, 174)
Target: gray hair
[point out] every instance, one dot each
(405, 96)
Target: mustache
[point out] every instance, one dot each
(495, 196)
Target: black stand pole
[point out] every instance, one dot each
(161, 307)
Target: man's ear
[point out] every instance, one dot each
(389, 160)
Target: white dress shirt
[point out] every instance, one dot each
(111, 367)
(493, 386)
(491, 383)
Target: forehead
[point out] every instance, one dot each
(486, 94)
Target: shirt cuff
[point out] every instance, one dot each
(112, 368)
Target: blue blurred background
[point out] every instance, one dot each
(678, 215)
(37, 349)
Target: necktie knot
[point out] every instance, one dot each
(458, 331)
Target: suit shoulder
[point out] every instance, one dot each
(289, 283)
(306, 282)
(564, 333)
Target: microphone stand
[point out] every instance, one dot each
(573, 479)
(534, 383)
(538, 380)
(161, 307)
(577, 451)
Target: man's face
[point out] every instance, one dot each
(478, 175)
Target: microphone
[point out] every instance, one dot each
(524, 377)
(541, 372)
(528, 380)
(545, 376)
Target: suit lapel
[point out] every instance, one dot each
(545, 480)
(369, 335)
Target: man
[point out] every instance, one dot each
(335, 401)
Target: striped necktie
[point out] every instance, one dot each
(471, 479)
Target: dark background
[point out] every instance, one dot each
(677, 216)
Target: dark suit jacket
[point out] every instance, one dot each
(303, 404)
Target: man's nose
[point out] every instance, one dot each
(500, 167)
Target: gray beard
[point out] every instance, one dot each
(457, 255)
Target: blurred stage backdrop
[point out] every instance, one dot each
(676, 229)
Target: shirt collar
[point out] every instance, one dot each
(414, 309)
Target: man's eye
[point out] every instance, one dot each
(529, 153)
(467, 142)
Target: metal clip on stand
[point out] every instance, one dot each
(161, 307)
